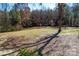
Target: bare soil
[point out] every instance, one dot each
(63, 45)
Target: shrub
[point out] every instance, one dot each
(26, 52)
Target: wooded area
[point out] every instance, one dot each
(20, 16)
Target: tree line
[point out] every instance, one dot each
(20, 16)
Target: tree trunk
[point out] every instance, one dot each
(61, 15)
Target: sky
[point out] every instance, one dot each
(46, 6)
(36, 6)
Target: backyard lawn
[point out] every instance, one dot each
(34, 32)
(67, 38)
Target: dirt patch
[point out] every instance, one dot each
(67, 45)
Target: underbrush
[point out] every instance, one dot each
(27, 52)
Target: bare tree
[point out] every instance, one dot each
(61, 15)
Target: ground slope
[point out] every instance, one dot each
(65, 44)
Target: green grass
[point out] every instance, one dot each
(27, 52)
